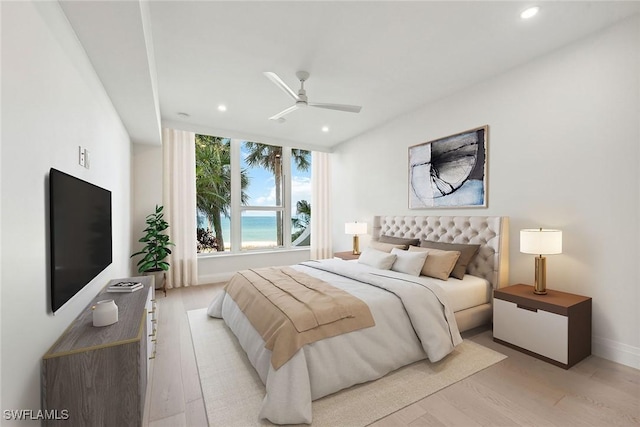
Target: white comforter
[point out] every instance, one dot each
(413, 321)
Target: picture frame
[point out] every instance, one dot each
(450, 172)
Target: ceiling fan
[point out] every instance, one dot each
(301, 97)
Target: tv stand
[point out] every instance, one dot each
(100, 374)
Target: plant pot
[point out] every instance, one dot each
(159, 279)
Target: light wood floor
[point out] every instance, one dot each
(518, 391)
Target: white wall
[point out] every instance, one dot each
(147, 190)
(52, 102)
(564, 137)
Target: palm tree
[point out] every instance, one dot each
(302, 220)
(213, 181)
(270, 158)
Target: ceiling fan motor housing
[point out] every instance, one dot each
(302, 76)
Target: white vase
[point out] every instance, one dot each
(105, 313)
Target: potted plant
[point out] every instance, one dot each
(156, 248)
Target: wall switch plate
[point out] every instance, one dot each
(81, 156)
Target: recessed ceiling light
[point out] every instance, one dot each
(181, 114)
(222, 107)
(325, 128)
(530, 12)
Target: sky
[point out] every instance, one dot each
(262, 192)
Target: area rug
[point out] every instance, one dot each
(233, 392)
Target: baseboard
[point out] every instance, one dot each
(215, 278)
(616, 352)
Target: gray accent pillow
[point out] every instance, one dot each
(399, 241)
(467, 253)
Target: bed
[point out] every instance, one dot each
(416, 317)
(491, 262)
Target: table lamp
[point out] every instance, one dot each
(540, 242)
(355, 228)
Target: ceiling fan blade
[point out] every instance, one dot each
(284, 112)
(282, 85)
(340, 107)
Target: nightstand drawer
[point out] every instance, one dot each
(532, 329)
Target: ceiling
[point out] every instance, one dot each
(160, 60)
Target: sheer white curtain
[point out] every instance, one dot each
(179, 199)
(321, 213)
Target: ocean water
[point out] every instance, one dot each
(260, 229)
(257, 229)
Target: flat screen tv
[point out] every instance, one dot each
(80, 226)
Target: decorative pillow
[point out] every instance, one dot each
(385, 247)
(467, 253)
(408, 262)
(377, 259)
(399, 241)
(439, 264)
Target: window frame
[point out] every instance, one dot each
(236, 207)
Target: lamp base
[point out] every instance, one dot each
(540, 284)
(356, 245)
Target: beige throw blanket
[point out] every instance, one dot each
(290, 309)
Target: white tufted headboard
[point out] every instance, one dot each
(490, 232)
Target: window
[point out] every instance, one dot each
(300, 197)
(251, 195)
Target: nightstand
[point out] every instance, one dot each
(346, 255)
(555, 327)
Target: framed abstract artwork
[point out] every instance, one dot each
(449, 172)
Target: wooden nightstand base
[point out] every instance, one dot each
(532, 354)
(346, 255)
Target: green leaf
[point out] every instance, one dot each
(156, 243)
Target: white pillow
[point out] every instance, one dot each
(377, 259)
(408, 262)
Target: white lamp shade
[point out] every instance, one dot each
(355, 228)
(540, 241)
